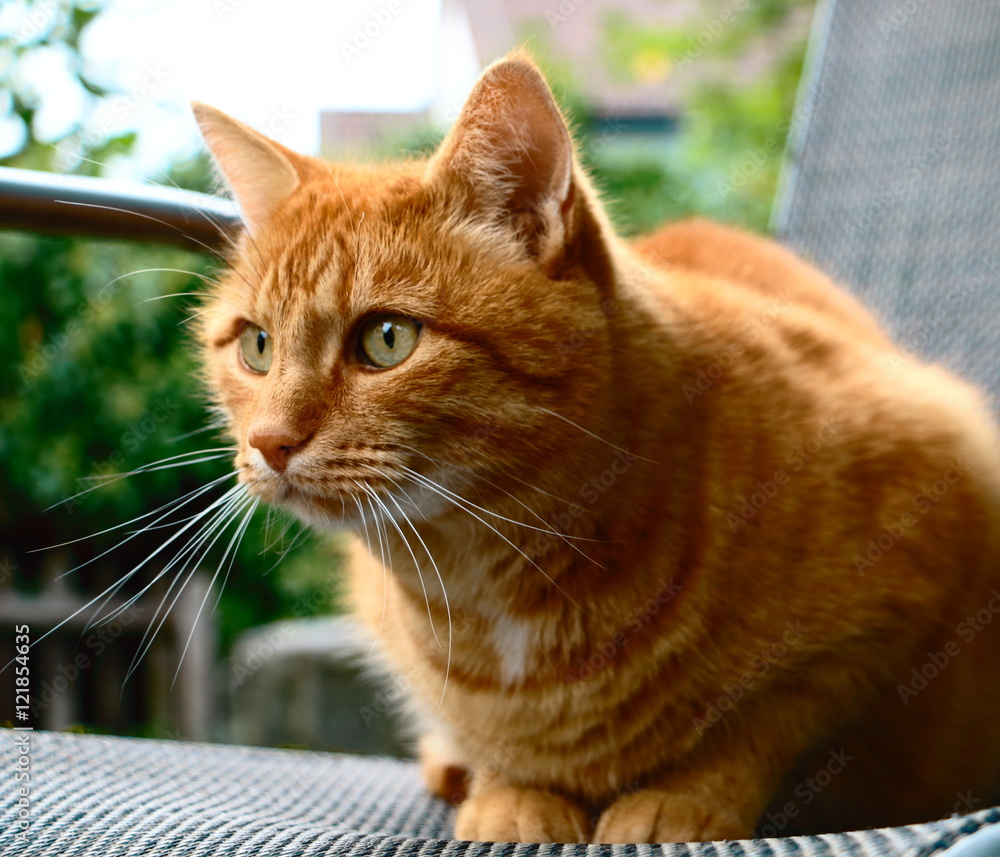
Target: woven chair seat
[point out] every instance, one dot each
(97, 796)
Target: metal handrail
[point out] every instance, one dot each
(55, 204)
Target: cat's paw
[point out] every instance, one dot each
(651, 815)
(511, 814)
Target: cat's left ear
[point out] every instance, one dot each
(512, 153)
(258, 171)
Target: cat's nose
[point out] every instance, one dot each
(277, 445)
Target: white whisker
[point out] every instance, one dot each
(217, 525)
(433, 487)
(594, 436)
(110, 591)
(210, 427)
(231, 552)
(191, 318)
(291, 545)
(221, 227)
(382, 556)
(208, 455)
(371, 493)
(476, 476)
(215, 513)
(173, 294)
(211, 251)
(224, 500)
(444, 593)
(170, 505)
(364, 523)
(492, 514)
(111, 478)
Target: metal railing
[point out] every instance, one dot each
(54, 204)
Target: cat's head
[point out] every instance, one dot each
(441, 319)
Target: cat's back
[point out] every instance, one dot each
(756, 266)
(780, 337)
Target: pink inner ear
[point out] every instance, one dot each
(540, 149)
(257, 171)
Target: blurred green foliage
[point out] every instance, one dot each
(100, 375)
(736, 66)
(101, 380)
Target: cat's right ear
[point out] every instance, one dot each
(511, 152)
(258, 171)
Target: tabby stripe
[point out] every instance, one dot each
(475, 339)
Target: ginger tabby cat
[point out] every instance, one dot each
(654, 532)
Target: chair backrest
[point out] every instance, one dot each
(892, 179)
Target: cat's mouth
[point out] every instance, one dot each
(330, 497)
(347, 490)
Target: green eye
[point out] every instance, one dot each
(255, 346)
(387, 340)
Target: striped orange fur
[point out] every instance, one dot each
(668, 540)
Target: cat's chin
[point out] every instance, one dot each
(328, 511)
(322, 513)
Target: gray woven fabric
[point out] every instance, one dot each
(94, 796)
(893, 184)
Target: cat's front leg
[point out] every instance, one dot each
(498, 811)
(718, 794)
(657, 815)
(445, 773)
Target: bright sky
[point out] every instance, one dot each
(274, 65)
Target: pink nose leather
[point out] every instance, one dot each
(276, 445)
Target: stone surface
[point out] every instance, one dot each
(311, 683)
